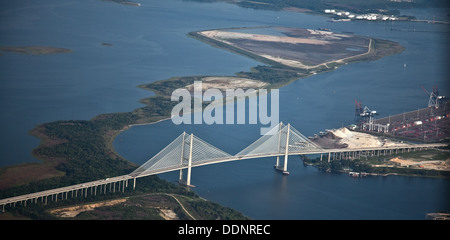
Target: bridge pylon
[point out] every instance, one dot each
(280, 126)
(190, 144)
(185, 152)
(282, 140)
(283, 137)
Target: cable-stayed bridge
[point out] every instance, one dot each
(188, 151)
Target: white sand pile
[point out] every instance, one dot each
(362, 140)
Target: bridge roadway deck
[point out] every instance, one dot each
(72, 188)
(253, 156)
(124, 178)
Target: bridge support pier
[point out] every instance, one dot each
(188, 179)
(285, 171)
(277, 164)
(286, 153)
(189, 168)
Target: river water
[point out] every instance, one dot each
(149, 43)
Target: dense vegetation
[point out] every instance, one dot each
(272, 75)
(84, 152)
(212, 211)
(140, 205)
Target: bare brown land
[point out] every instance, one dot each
(25, 173)
(296, 9)
(21, 174)
(36, 50)
(223, 83)
(70, 212)
(295, 47)
(443, 165)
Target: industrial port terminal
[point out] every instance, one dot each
(431, 124)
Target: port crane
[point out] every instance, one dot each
(434, 99)
(365, 117)
(358, 111)
(363, 114)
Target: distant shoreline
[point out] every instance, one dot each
(36, 50)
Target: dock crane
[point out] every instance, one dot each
(434, 99)
(364, 117)
(358, 111)
(363, 114)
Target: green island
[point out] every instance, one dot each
(77, 151)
